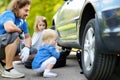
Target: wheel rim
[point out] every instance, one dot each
(89, 48)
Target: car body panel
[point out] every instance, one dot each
(66, 23)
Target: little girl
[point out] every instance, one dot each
(39, 26)
(47, 55)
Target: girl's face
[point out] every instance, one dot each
(54, 41)
(41, 26)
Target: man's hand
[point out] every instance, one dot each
(24, 54)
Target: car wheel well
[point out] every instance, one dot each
(87, 14)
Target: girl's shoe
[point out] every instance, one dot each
(49, 74)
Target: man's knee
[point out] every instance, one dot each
(14, 36)
(8, 38)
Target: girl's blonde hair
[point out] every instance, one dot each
(15, 5)
(37, 21)
(48, 35)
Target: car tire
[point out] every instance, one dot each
(95, 66)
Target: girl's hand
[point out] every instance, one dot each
(58, 48)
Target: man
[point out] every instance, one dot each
(12, 24)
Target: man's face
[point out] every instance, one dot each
(24, 12)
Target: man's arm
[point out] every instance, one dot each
(25, 52)
(28, 40)
(11, 27)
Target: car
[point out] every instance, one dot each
(92, 27)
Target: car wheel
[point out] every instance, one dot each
(95, 66)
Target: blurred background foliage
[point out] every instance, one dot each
(45, 8)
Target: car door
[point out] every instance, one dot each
(67, 17)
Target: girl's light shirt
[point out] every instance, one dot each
(36, 40)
